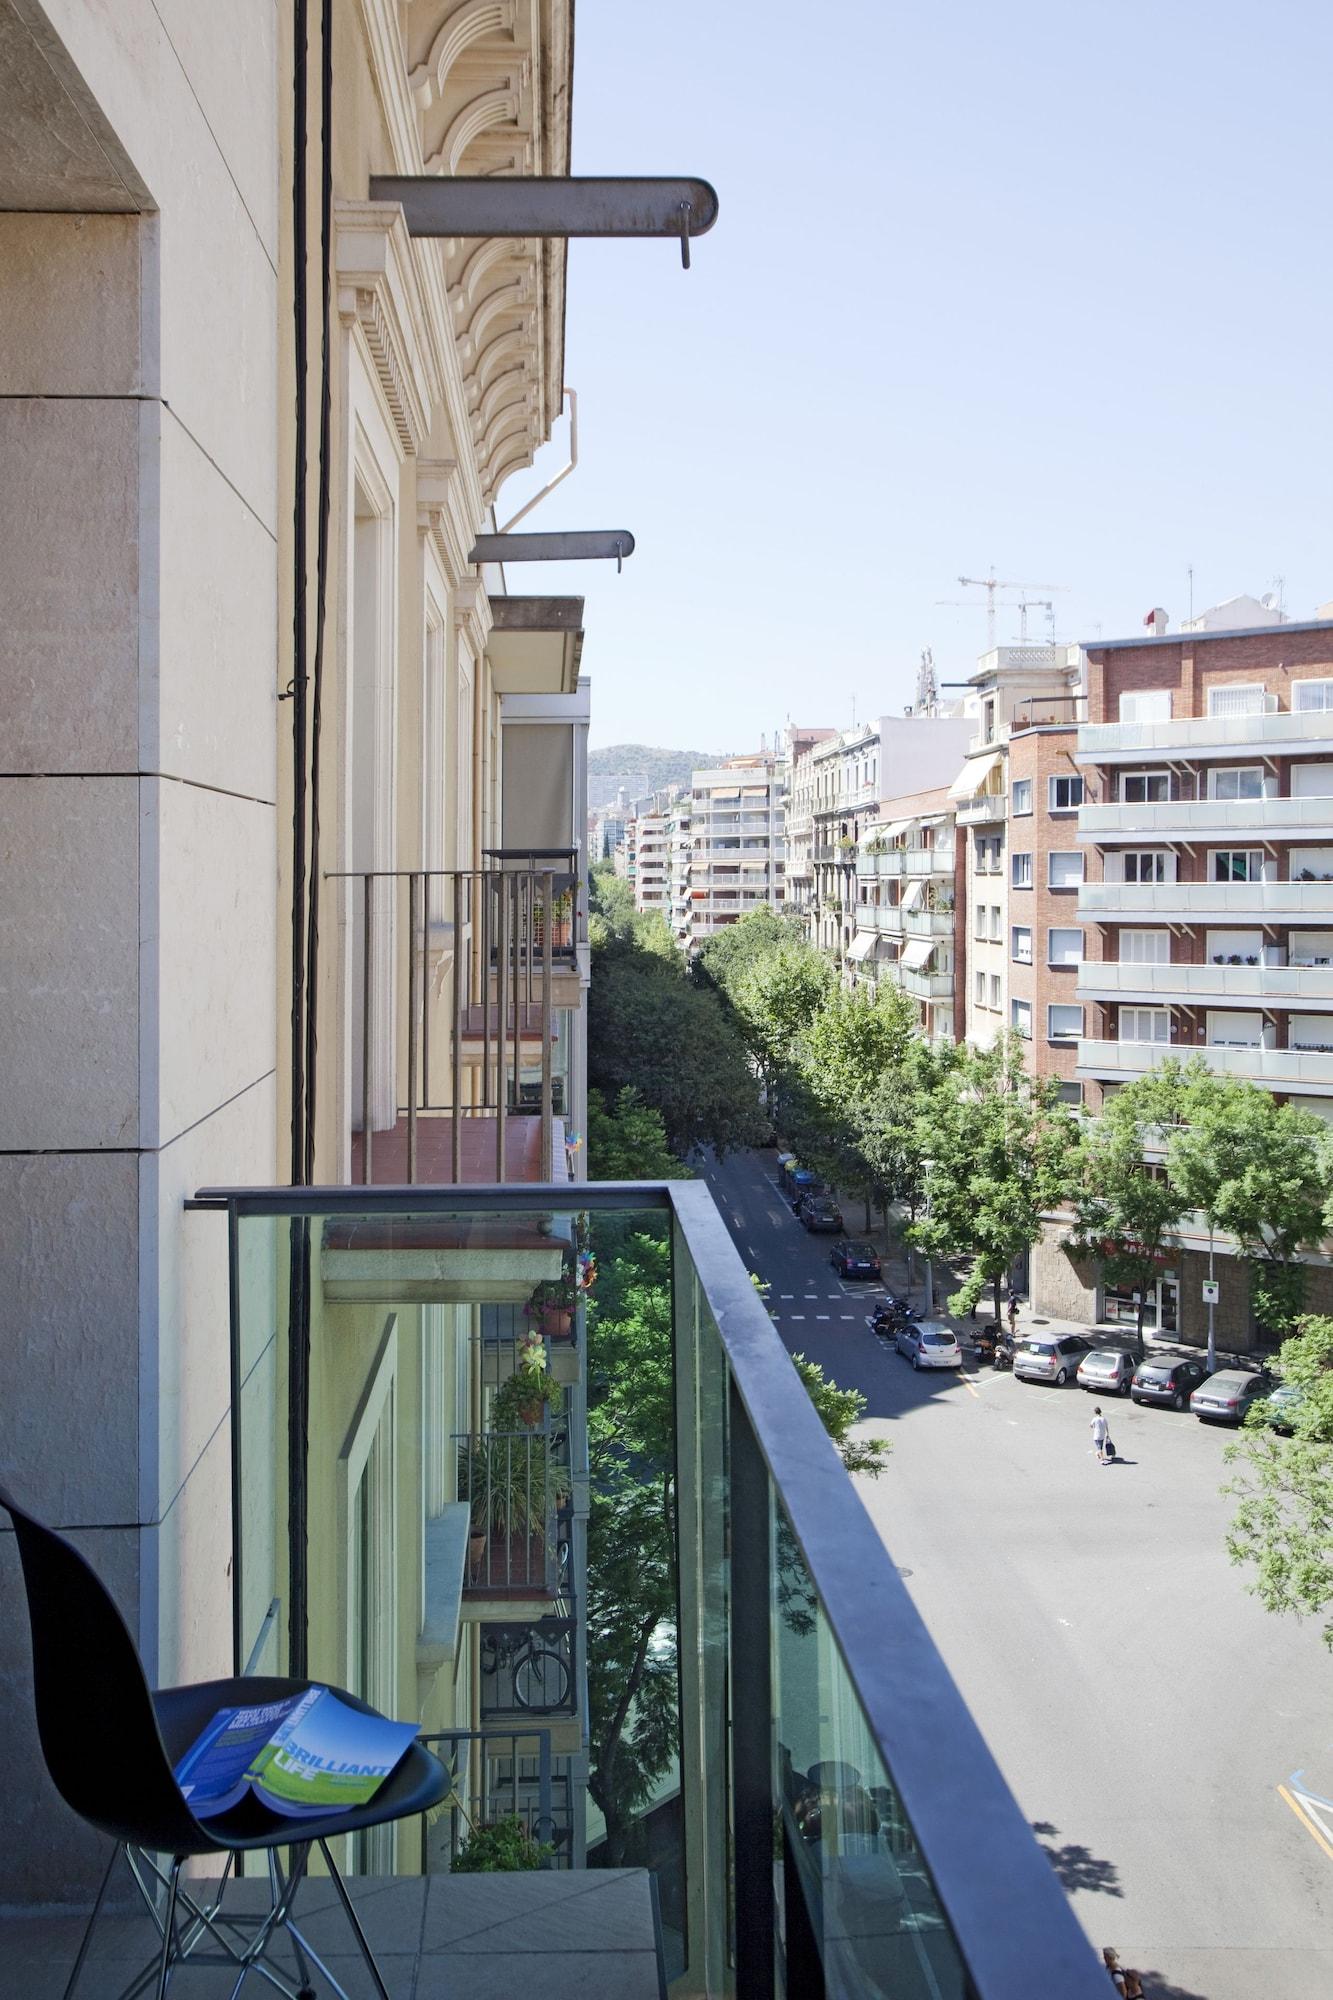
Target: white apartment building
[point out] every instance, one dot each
(651, 889)
(907, 875)
(737, 853)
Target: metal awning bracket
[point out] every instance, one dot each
(551, 205)
(567, 545)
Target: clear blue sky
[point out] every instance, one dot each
(1038, 285)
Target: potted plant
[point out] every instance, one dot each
(500, 1845)
(551, 1307)
(520, 1401)
(512, 1487)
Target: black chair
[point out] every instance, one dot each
(111, 1746)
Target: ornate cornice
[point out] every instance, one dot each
(442, 515)
(379, 290)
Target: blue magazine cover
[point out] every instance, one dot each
(309, 1753)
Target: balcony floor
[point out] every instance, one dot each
(574, 1934)
(523, 1150)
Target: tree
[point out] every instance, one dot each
(855, 1041)
(887, 1124)
(838, 1410)
(777, 999)
(652, 1028)
(1126, 1208)
(1002, 1150)
(1255, 1168)
(1283, 1526)
(627, 1141)
(611, 898)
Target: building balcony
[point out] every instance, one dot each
(1268, 732)
(1181, 820)
(937, 861)
(887, 919)
(927, 923)
(879, 866)
(784, 1639)
(1309, 1072)
(925, 985)
(1269, 985)
(1206, 902)
(983, 809)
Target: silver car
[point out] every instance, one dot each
(1226, 1397)
(1108, 1371)
(929, 1343)
(1052, 1357)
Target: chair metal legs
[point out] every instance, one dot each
(202, 1933)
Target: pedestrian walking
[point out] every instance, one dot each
(1013, 1314)
(1101, 1436)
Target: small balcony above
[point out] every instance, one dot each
(982, 809)
(1309, 1072)
(1200, 902)
(1267, 731)
(1183, 820)
(1276, 986)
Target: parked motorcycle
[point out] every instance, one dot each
(1003, 1356)
(890, 1318)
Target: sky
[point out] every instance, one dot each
(1039, 286)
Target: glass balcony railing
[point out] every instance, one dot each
(696, 1653)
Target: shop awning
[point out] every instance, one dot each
(972, 778)
(933, 819)
(893, 831)
(917, 954)
(863, 945)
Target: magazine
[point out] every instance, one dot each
(309, 1753)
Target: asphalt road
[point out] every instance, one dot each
(1144, 1709)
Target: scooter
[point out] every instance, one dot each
(1003, 1357)
(986, 1340)
(890, 1318)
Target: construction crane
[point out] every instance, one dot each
(1026, 604)
(990, 584)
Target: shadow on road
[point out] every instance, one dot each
(1156, 1986)
(1077, 1867)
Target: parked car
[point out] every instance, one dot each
(820, 1212)
(802, 1181)
(1225, 1398)
(1168, 1382)
(929, 1343)
(1281, 1405)
(854, 1260)
(1107, 1370)
(1050, 1357)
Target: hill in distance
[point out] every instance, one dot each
(641, 768)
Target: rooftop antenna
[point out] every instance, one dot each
(927, 692)
(1189, 572)
(853, 711)
(1278, 585)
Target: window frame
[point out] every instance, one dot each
(1068, 930)
(1024, 786)
(1232, 688)
(1144, 777)
(1216, 771)
(1055, 854)
(1054, 1007)
(1227, 881)
(1015, 932)
(1014, 861)
(1148, 1041)
(1069, 778)
(1312, 681)
(1017, 1007)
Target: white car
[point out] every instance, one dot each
(929, 1343)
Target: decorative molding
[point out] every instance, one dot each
(442, 515)
(472, 21)
(378, 288)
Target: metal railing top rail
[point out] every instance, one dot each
(1013, 1925)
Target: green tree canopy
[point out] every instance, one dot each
(1002, 1150)
(627, 1141)
(1282, 1530)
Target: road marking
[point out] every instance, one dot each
(971, 1389)
(1306, 1821)
(846, 1315)
(809, 1295)
(797, 1315)
(786, 1295)
(821, 1315)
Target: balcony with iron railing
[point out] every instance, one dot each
(460, 985)
(826, 1816)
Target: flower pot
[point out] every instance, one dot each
(556, 1322)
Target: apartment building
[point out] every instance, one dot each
(1207, 913)
(737, 844)
(1017, 885)
(799, 819)
(909, 868)
(651, 886)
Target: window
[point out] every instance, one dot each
(981, 989)
(1238, 864)
(1145, 1024)
(1064, 1024)
(1071, 1093)
(1020, 1017)
(1145, 788)
(996, 923)
(1249, 700)
(1149, 866)
(1310, 1031)
(1021, 945)
(1066, 794)
(1148, 705)
(1022, 871)
(995, 989)
(1311, 781)
(1311, 696)
(1022, 795)
(1065, 870)
(981, 920)
(1145, 947)
(1310, 864)
(1235, 1031)
(1063, 947)
(1238, 781)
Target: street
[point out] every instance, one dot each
(1170, 1742)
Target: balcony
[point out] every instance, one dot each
(1204, 902)
(1281, 986)
(936, 861)
(886, 865)
(1208, 819)
(1203, 736)
(982, 809)
(925, 985)
(1306, 1071)
(783, 1644)
(927, 923)
(458, 985)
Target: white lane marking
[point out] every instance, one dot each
(846, 1315)
(797, 1315)
(786, 1295)
(822, 1315)
(809, 1295)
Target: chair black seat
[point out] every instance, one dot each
(417, 1783)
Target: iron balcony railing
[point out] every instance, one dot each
(827, 1817)
(499, 1774)
(456, 979)
(516, 1487)
(531, 1668)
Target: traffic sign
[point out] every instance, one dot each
(1212, 1289)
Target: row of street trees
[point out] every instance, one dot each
(972, 1154)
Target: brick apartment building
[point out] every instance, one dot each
(1207, 909)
